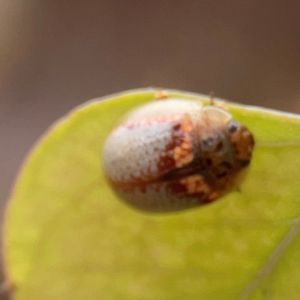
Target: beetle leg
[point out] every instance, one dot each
(161, 95)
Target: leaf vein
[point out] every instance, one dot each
(272, 261)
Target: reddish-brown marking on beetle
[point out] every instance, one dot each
(195, 184)
(183, 153)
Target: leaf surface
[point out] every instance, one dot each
(68, 237)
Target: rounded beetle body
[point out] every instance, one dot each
(175, 154)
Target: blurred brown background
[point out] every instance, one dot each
(55, 55)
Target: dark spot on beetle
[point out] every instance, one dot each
(210, 140)
(244, 163)
(235, 148)
(165, 163)
(221, 175)
(201, 196)
(207, 143)
(233, 126)
(219, 147)
(204, 143)
(251, 140)
(208, 162)
(177, 188)
(177, 126)
(226, 164)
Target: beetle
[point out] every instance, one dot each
(175, 154)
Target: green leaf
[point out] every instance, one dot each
(67, 236)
